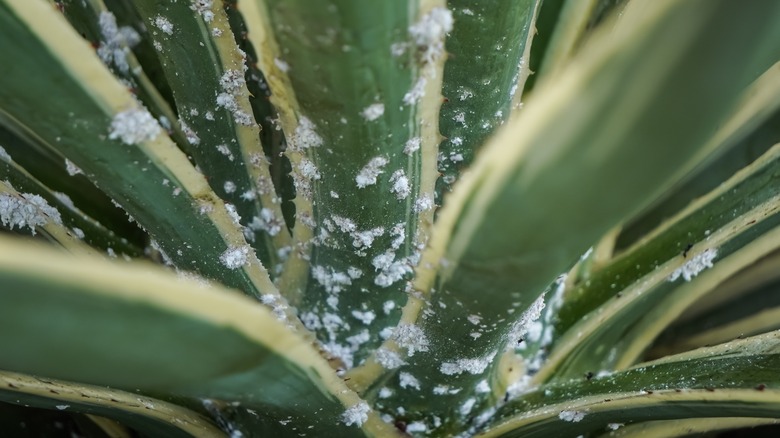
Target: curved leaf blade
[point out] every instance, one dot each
(736, 379)
(612, 134)
(144, 414)
(91, 118)
(136, 326)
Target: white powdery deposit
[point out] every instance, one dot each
(695, 265)
(135, 125)
(471, 366)
(412, 338)
(429, 33)
(26, 210)
(369, 173)
(373, 111)
(571, 416)
(235, 257)
(306, 135)
(357, 414)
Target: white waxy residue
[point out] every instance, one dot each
(571, 416)
(235, 257)
(357, 414)
(373, 111)
(132, 126)
(26, 210)
(428, 33)
(695, 265)
(369, 173)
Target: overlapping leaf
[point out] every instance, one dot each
(63, 317)
(608, 126)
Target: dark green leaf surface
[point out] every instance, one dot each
(80, 225)
(151, 417)
(271, 136)
(63, 317)
(755, 136)
(485, 69)
(738, 307)
(115, 43)
(367, 193)
(196, 46)
(47, 165)
(20, 421)
(609, 127)
(738, 379)
(151, 179)
(635, 287)
(694, 427)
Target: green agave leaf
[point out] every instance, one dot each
(549, 11)
(24, 421)
(359, 86)
(688, 427)
(89, 122)
(196, 46)
(297, 129)
(114, 43)
(562, 27)
(78, 226)
(20, 210)
(570, 27)
(134, 326)
(147, 415)
(752, 130)
(747, 310)
(737, 379)
(44, 163)
(482, 80)
(602, 10)
(641, 336)
(733, 226)
(620, 145)
(271, 136)
(757, 104)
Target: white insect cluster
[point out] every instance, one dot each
(400, 188)
(423, 203)
(163, 24)
(369, 173)
(116, 43)
(412, 145)
(391, 270)
(71, 168)
(235, 257)
(203, 7)
(26, 210)
(407, 380)
(373, 111)
(189, 133)
(417, 91)
(528, 320)
(695, 265)
(306, 135)
(471, 366)
(133, 126)
(571, 416)
(412, 338)
(357, 414)
(388, 359)
(429, 32)
(267, 221)
(232, 83)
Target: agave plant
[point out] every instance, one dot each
(386, 218)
